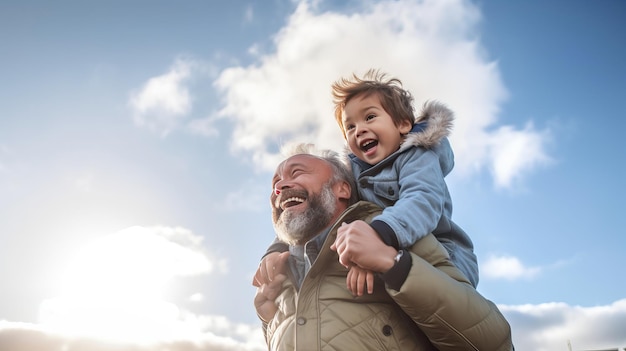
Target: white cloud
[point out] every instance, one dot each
(197, 297)
(431, 45)
(550, 326)
(214, 333)
(163, 100)
(507, 267)
(516, 152)
(542, 327)
(179, 235)
(115, 287)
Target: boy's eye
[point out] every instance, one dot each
(369, 117)
(349, 126)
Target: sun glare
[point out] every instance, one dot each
(114, 288)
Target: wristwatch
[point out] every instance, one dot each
(398, 256)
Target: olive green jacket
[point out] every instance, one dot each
(435, 309)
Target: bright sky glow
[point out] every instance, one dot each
(137, 145)
(115, 287)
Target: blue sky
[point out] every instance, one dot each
(138, 140)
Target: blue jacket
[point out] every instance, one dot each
(409, 184)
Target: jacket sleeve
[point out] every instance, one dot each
(421, 199)
(443, 304)
(276, 246)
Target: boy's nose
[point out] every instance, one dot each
(360, 130)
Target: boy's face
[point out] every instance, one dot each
(370, 132)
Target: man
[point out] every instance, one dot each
(422, 303)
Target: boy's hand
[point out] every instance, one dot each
(271, 265)
(358, 279)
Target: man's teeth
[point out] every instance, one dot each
(291, 199)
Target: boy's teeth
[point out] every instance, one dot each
(368, 144)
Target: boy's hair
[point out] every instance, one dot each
(338, 163)
(396, 101)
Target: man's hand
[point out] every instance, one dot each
(271, 265)
(265, 296)
(358, 244)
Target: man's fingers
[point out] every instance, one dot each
(261, 275)
(345, 260)
(269, 272)
(272, 290)
(269, 267)
(339, 239)
(266, 294)
(255, 281)
(281, 262)
(339, 246)
(278, 265)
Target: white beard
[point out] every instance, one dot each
(298, 228)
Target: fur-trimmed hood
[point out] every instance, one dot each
(436, 119)
(430, 131)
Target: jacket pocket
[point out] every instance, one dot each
(383, 332)
(387, 190)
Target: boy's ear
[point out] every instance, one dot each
(342, 190)
(405, 127)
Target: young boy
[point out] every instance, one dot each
(399, 162)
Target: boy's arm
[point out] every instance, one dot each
(386, 233)
(421, 193)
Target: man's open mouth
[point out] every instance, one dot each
(290, 198)
(290, 202)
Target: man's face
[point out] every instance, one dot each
(303, 199)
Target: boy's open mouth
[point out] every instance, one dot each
(368, 144)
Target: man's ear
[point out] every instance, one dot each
(342, 190)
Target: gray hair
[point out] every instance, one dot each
(339, 163)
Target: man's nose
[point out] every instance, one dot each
(280, 186)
